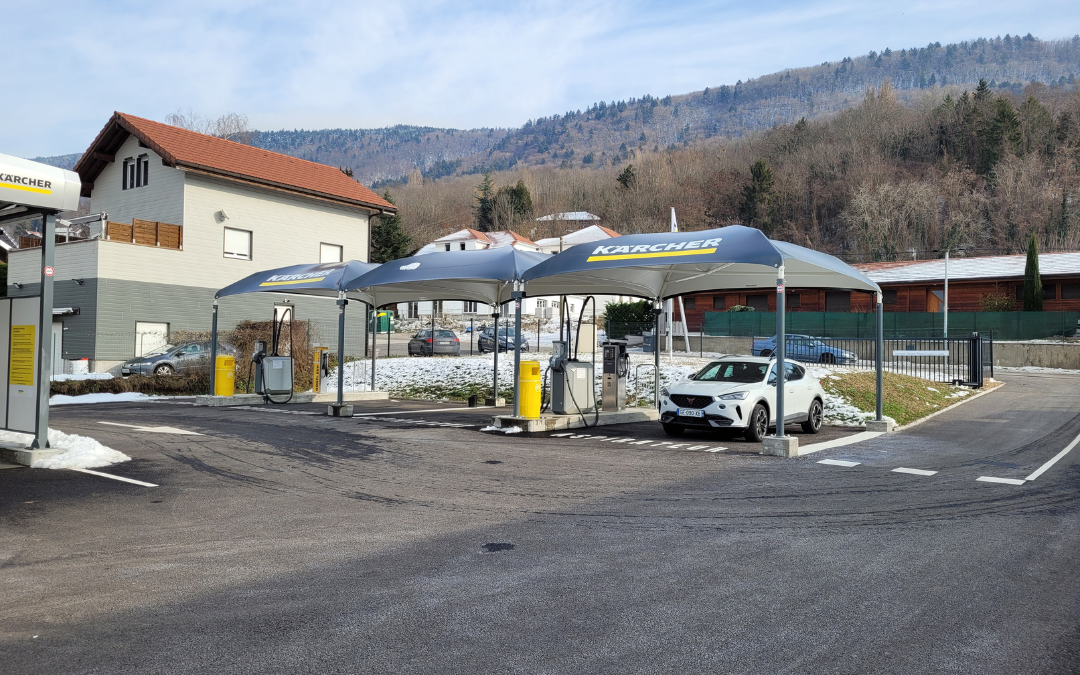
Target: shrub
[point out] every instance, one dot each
(997, 302)
(155, 385)
(626, 318)
(741, 308)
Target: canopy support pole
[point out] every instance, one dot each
(44, 345)
(495, 382)
(213, 348)
(374, 343)
(517, 295)
(658, 309)
(781, 352)
(879, 364)
(342, 301)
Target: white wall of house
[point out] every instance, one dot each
(75, 260)
(161, 199)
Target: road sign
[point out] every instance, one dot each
(49, 271)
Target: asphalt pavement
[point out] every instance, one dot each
(407, 540)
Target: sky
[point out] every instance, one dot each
(459, 64)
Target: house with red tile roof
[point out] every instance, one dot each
(188, 214)
(475, 240)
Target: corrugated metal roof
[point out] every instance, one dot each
(990, 267)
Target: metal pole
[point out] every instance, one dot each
(781, 352)
(495, 385)
(472, 335)
(878, 409)
(658, 309)
(945, 332)
(685, 325)
(341, 302)
(517, 295)
(44, 374)
(374, 345)
(388, 334)
(432, 328)
(213, 348)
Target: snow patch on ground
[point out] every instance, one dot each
(60, 399)
(64, 377)
(1035, 369)
(505, 430)
(78, 452)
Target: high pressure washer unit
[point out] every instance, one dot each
(572, 388)
(273, 372)
(616, 368)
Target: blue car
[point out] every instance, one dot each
(807, 349)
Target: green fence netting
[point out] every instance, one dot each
(1003, 325)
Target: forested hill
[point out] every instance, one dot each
(609, 132)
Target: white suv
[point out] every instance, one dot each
(739, 392)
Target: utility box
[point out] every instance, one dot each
(321, 368)
(276, 376)
(648, 343)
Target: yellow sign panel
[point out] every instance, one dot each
(22, 355)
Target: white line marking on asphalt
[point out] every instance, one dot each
(717, 449)
(839, 442)
(109, 475)
(581, 436)
(697, 447)
(153, 430)
(838, 462)
(914, 472)
(621, 440)
(640, 442)
(1042, 469)
(570, 433)
(677, 445)
(409, 412)
(1007, 481)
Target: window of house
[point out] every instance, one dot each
(1049, 291)
(760, 303)
(719, 302)
(1020, 292)
(688, 303)
(414, 310)
(330, 253)
(838, 301)
(888, 297)
(470, 307)
(136, 172)
(793, 300)
(541, 303)
(1070, 291)
(462, 246)
(237, 244)
(447, 246)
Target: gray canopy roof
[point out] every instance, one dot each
(676, 263)
(323, 279)
(485, 276)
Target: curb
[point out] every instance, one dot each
(954, 405)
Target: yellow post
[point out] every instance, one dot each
(316, 385)
(225, 375)
(531, 390)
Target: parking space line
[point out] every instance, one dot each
(839, 442)
(716, 449)
(697, 447)
(1007, 481)
(621, 440)
(1042, 469)
(914, 472)
(120, 478)
(839, 462)
(569, 433)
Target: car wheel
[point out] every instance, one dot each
(814, 418)
(765, 353)
(759, 424)
(674, 429)
(164, 369)
(828, 358)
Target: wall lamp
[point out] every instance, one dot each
(79, 281)
(17, 284)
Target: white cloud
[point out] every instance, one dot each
(461, 64)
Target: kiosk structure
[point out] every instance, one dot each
(27, 190)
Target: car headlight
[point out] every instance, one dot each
(734, 396)
(664, 391)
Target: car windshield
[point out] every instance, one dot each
(160, 350)
(445, 333)
(732, 371)
(504, 332)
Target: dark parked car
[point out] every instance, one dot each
(486, 341)
(190, 357)
(445, 343)
(807, 349)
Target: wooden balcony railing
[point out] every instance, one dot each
(147, 233)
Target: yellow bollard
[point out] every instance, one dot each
(225, 375)
(531, 389)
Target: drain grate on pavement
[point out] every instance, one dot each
(495, 547)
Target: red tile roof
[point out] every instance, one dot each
(610, 231)
(212, 155)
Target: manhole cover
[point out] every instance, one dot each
(495, 547)
(493, 461)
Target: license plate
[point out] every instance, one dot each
(690, 412)
(442, 344)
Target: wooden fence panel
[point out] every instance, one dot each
(118, 231)
(170, 236)
(145, 232)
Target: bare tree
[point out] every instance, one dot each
(230, 126)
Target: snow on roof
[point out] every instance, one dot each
(582, 236)
(991, 267)
(571, 215)
(511, 238)
(466, 234)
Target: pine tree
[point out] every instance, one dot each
(1033, 293)
(388, 240)
(485, 204)
(754, 208)
(628, 177)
